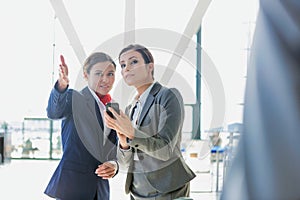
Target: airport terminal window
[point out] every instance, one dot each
(37, 138)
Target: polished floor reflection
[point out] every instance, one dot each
(27, 179)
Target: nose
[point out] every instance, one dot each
(103, 78)
(127, 67)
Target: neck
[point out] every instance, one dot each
(104, 98)
(99, 95)
(143, 88)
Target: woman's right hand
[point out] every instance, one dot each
(63, 80)
(123, 141)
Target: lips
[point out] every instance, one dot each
(129, 75)
(104, 86)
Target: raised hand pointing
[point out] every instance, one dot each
(63, 80)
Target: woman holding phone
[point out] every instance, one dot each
(150, 132)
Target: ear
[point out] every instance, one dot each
(85, 75)
(151, 66)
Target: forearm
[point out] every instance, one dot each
(155, 146)
(124, 157)
(57, 103)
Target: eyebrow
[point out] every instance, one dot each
(128, 59)
(98, 70)
(132, 57)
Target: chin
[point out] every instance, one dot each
(103, 92)
(130, 82)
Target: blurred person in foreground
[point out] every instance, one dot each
(89, 147)
(267, 163)
(150, 132)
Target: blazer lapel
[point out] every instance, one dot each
(149, 101)
(92, 105)
(87, 124)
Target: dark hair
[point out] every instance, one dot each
(146, 54)
(95, 58)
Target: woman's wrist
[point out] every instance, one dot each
(124, 146)
(61, 86)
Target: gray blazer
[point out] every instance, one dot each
(157, 141)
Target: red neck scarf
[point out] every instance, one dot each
(105, 99)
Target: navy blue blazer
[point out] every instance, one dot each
(84, 146)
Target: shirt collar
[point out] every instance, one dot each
(145, 94)
(95, 96)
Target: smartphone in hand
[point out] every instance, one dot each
(115, 106)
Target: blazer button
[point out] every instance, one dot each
(141, 157)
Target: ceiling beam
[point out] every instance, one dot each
(190, 30)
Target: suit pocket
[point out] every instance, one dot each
(74, 166)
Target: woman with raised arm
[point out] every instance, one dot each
(89, 147)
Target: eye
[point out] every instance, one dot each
(134, 62)
(123, 66)
(98, 73)
(111, 74)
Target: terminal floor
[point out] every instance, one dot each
(27, 179)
